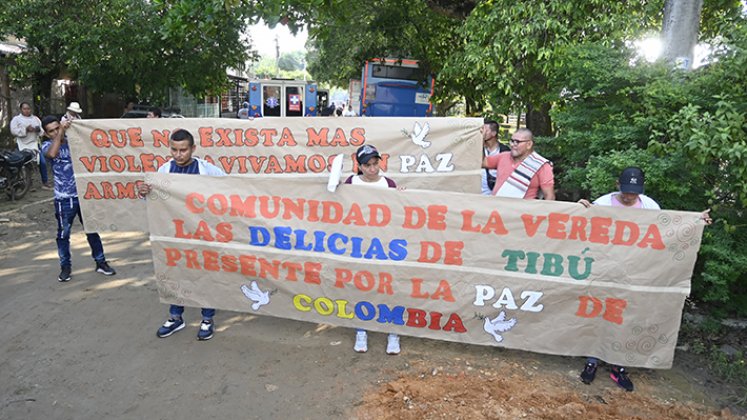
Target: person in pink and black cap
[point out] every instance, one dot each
(631, 186)
(368, 159)
(630, 194)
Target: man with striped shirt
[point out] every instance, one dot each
(522, 172)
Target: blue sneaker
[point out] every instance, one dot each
(589, 373)
(169, 327)
(206, 330)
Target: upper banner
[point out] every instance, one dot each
(545, 276)
(111, 156)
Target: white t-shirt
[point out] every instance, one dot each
(358, 180)
(646, 201)
(26, 139)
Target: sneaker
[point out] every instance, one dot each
(169, 327)
(206, 330)
(589, 373)
(65, 274)
(620, 376)
(103, 268)
(47, 187)
(392, 344)
(361, 342)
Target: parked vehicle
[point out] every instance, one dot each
(392, 88)
(284, 98)
(15, 172)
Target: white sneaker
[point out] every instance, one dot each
(392, 344)
(361, 342)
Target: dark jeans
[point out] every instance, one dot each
(65, 211)
(177, 311)
(43, 168)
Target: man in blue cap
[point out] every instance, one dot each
(630, 195)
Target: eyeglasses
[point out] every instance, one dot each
(517, 141)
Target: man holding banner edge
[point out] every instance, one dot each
(67, 204)
(630, 186)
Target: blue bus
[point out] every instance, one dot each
(394, 88)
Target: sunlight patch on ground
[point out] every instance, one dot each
(323, 327)
(21, 247)
(113, 284)
(224, 325)
(49, 255)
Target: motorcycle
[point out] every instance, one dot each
(16, 168)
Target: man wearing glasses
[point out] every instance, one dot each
(521, 172)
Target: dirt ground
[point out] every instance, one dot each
(87, 350)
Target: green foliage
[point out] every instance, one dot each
(343, 35)
(688, 131)
(731, 368)
(346, 34)
(132, 47)
(266, 68)
(513, 47)
(720, 347)
(496, 52)
(292, 61)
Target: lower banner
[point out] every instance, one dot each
(544, 276)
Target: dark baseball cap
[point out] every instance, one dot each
(631, 181)
(365, 153)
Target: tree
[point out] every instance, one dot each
(497, 51)
(266, 68)
(687, 130)
(680, 30)
(291, 61)
(131, 47)
(511, 47)
(343, 35)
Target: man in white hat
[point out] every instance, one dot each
(73, 112)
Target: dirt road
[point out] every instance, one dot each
(87, 350)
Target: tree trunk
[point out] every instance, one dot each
(473, 107)
(680, 31)
(538, 120)
(5, 96)
(41, 88)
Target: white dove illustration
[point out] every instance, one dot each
(499, 324)
(256, 295)
(419, 133)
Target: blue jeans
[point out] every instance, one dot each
(43, 168)
(65, 211)
(177, 311)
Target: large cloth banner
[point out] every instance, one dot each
(544, 276)
(111, 156)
